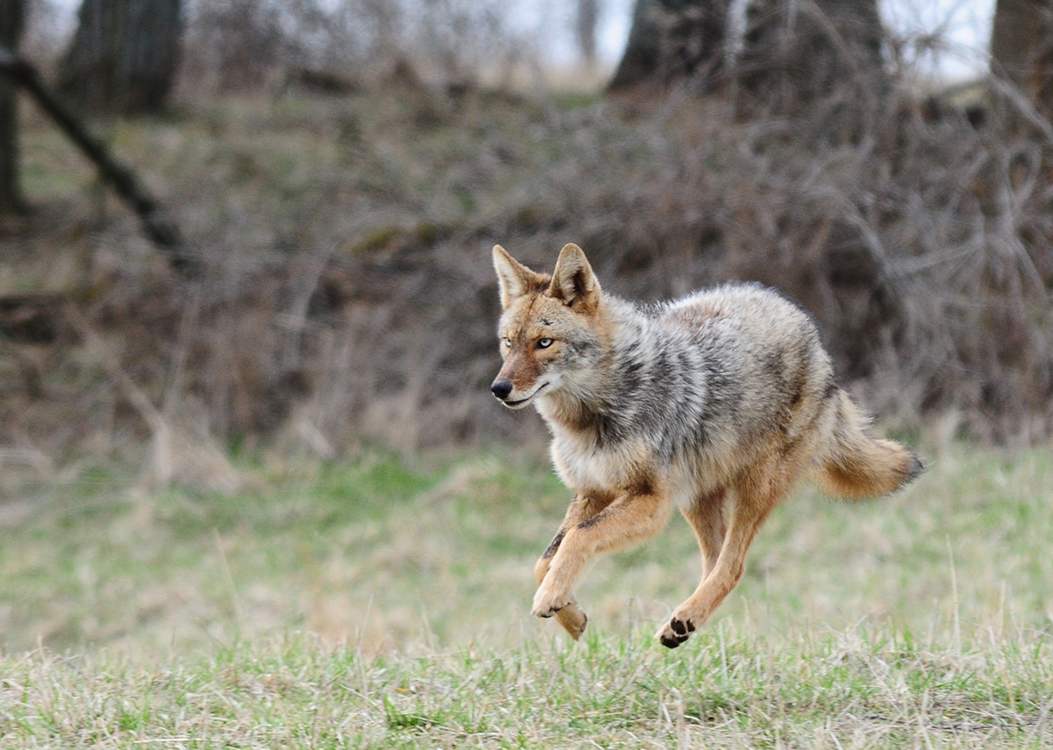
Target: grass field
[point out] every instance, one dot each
(384, 603)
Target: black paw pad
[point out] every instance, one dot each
(678, 627)
(670, 642)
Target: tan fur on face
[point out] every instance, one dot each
(524, 361)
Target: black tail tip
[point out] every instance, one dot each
(917, 468)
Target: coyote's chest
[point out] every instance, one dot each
(584, 465)
(625, 470)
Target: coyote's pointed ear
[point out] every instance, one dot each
(513, 277)
(573, 281)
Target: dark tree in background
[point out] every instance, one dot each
(791, 52)
(673, 39)
(11, 24)
(797, 52)
(124, 55)
(1022, 48)
(237, 44)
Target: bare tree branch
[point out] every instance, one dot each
(157, 227)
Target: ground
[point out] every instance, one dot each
(384, 602)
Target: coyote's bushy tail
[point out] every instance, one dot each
(854, 464)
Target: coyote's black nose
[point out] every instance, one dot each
(501, 389)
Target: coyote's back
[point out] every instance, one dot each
(767, 387)
(718, 403)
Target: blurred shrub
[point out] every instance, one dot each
(250, 46)
(350, 297)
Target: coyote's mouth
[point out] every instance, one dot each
(524, 401)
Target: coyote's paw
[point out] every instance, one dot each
(548, 600)
(676, 632)
(573, 619)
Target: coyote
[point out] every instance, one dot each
(717, 403)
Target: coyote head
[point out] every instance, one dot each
(550, 333)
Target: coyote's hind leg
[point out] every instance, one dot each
(753, 501)
(706, 516)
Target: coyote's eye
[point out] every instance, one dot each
(544, 343)
(507, 342)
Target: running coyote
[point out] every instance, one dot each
(717, 403)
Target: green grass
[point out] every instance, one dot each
(383, 603)
(861, 688)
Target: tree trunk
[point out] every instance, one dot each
(588, 13)
(11, 23)
(1022, 48)
(124, 55)
(672, 39)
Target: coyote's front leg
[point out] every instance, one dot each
(572, 617)
(630, 518)
(584, 506)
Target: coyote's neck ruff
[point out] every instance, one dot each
(717, 403)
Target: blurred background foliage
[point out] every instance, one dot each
(338, 170)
